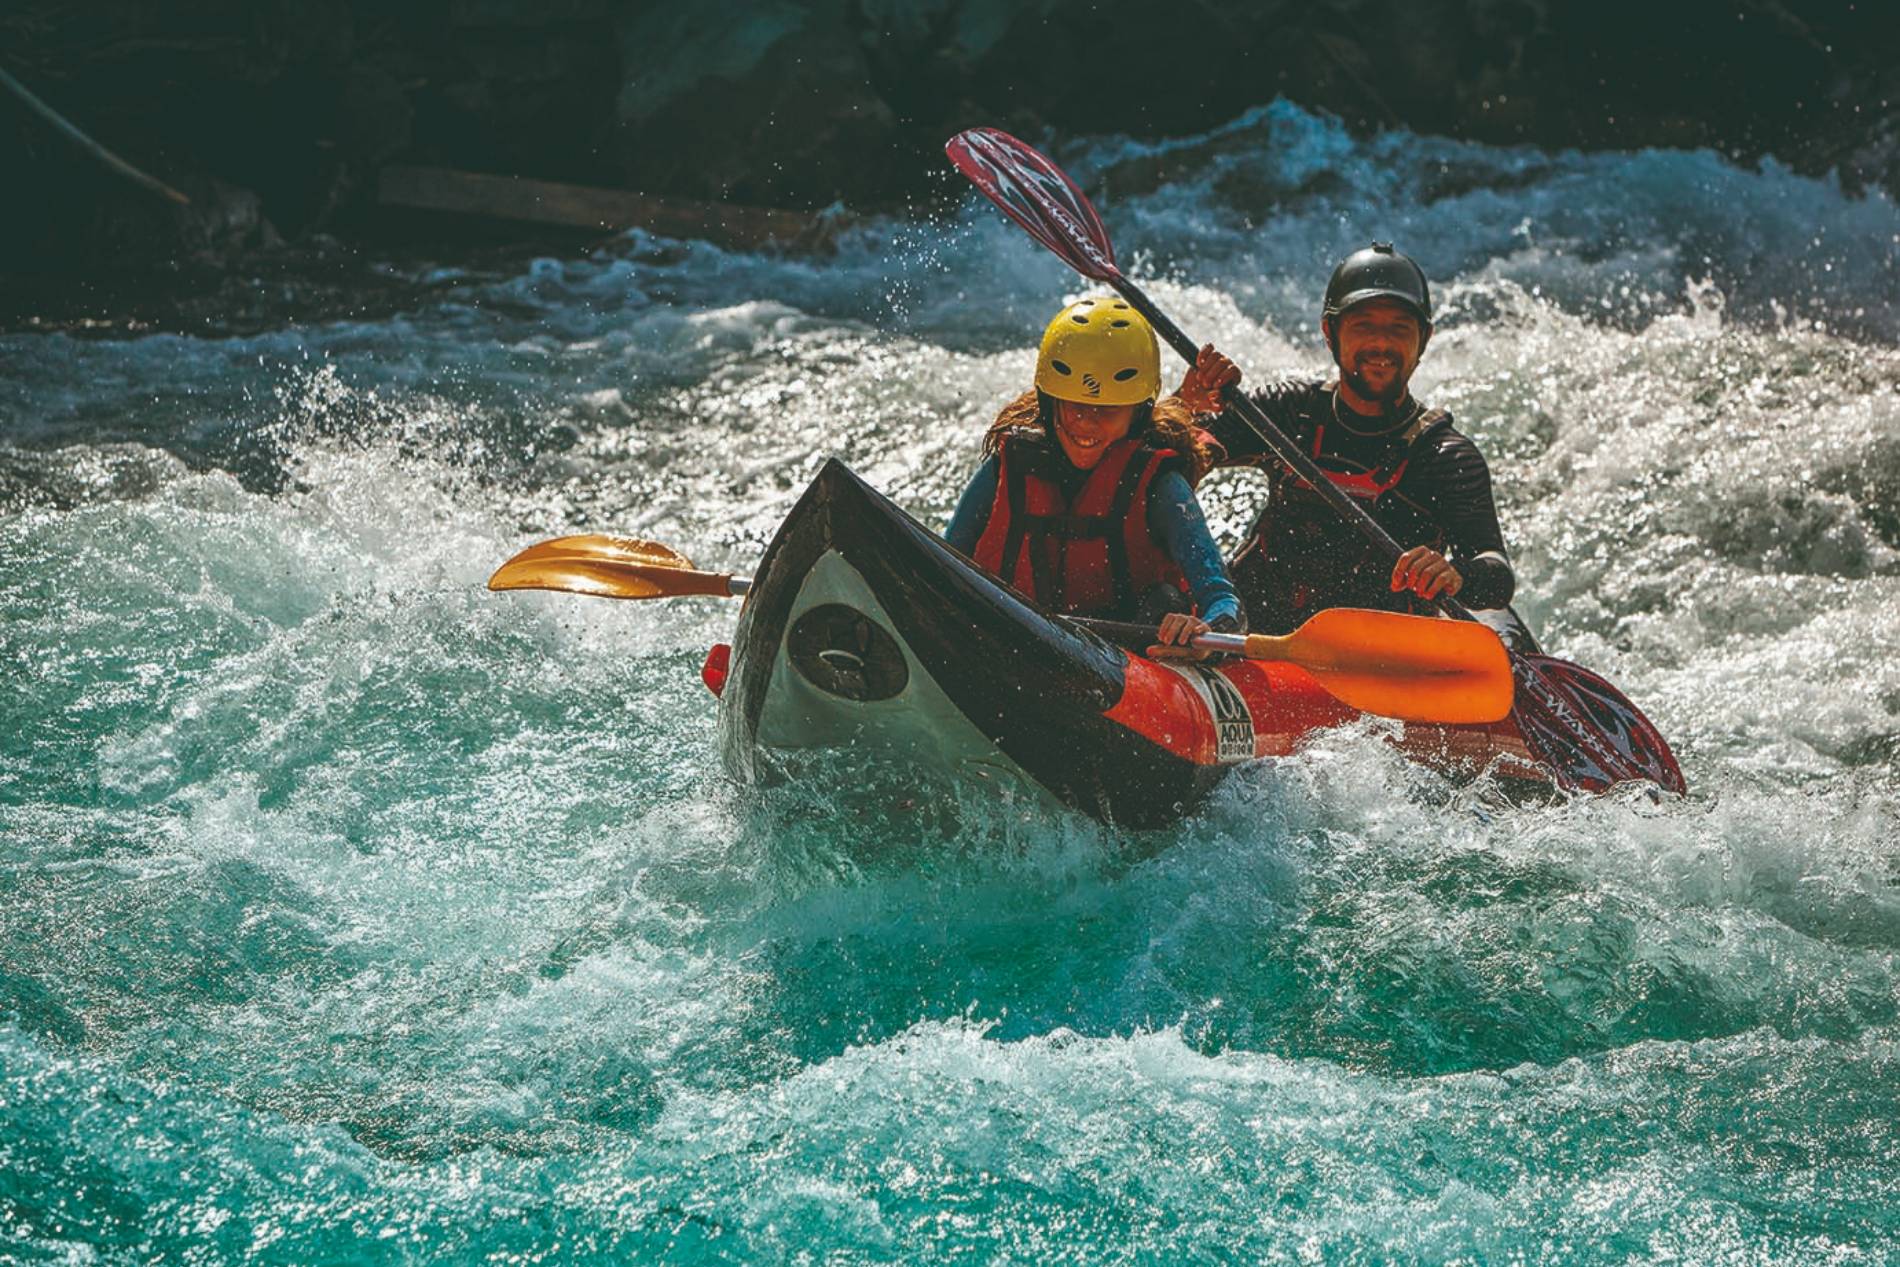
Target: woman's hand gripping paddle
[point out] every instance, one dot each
(1414, 668)
(1575, 723)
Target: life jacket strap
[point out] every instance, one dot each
(1132, 472)
(1018, 519)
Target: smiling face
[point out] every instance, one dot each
(1378, 345)
(1086, 431)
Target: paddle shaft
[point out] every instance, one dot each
(1277, 440)
(1333, 643)
(1249, 646)
(1114, 630)
(1128, 631)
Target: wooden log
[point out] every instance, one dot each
(584, 207)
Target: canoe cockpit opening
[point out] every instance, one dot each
(843, 652)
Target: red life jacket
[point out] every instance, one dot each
(1093, 556)
(1314, 559)
(1372, 485)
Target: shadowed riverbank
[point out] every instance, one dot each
(276, 118)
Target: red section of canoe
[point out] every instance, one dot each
(1190, 709)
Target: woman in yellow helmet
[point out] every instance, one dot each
(1085, 499)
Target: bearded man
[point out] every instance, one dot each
(1417, 475)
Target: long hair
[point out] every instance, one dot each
(1168, 424)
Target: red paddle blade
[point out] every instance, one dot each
(1586, 731)
(1036, 194)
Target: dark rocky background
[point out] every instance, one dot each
(275, 115)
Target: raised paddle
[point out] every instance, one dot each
(1575, 723)
(1414, 668)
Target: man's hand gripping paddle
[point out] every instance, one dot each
(1574, 722)
(1414, 668)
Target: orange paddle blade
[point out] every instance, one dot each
(593, 545)
(607, 567)
(1415, 668)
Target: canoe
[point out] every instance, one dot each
(865, 630)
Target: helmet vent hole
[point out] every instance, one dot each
(1079, 319)
(1059, 367)
(1120, 304)
(1122, 376)
(1120, 324)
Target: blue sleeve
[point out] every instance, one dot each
(973, 508)
(1179, 525)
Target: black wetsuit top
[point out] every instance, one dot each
(1425, 483)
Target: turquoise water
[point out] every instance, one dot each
(351, 913)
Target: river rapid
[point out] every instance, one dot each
(352, 913)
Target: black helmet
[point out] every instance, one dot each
(1379, 272)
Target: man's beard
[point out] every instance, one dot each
(1392, 394)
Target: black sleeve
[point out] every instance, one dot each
(1281, 402)
(1460, 493)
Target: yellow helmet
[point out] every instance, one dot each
(1100, 352)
